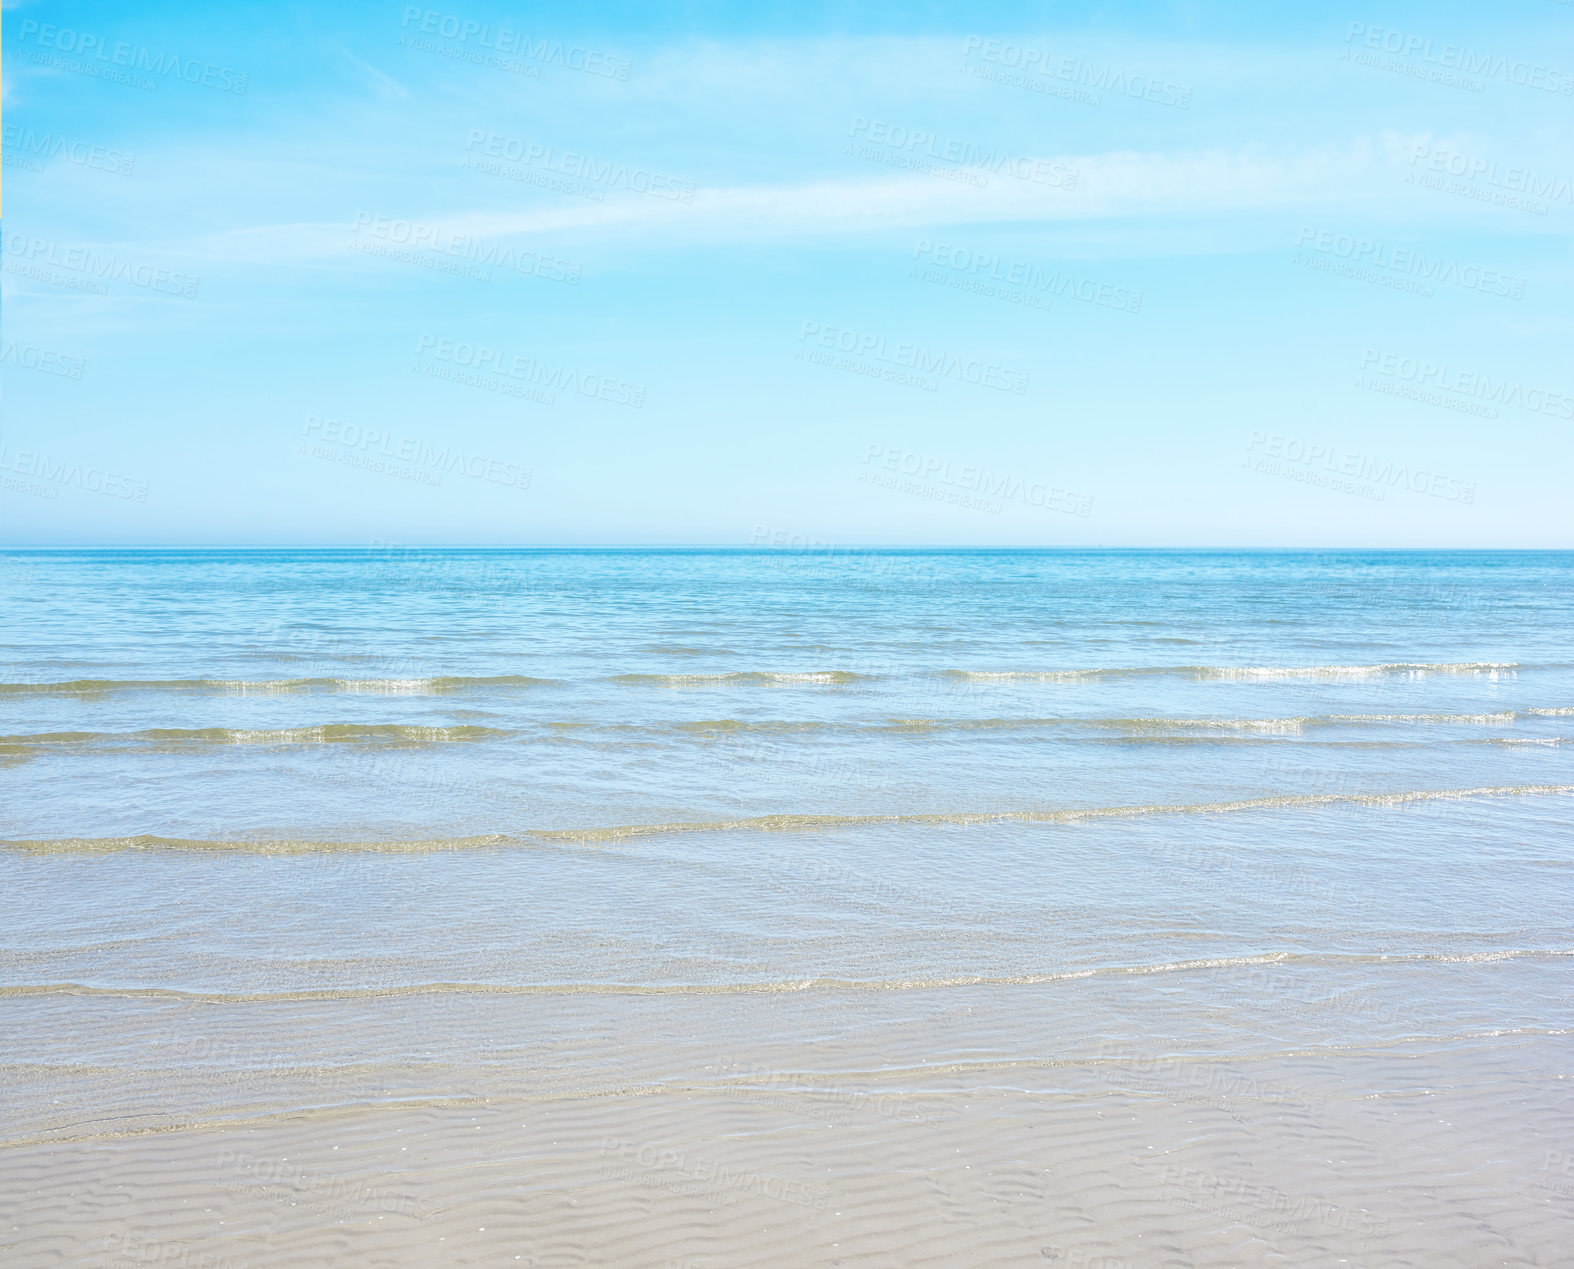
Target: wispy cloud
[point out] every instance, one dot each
(1109, 187)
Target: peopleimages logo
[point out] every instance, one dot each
(918, 145)
(970, 479)
(1302, 459)
(26, 143)
(1439, 160)
(415, 243)
(1234, 1195)
(1073, 70)
(407, 457)
(85, 268)
(506, 41)
(1425, 50)
(691, 1174)
(100, 480)
(85, 50)
(637, 180)
(915, 357)
(496, 363)
(44, 360)
(1426, 375)
(1370, 260)
(984, 268)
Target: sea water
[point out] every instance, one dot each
(294, 830)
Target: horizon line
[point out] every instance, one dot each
(807, 548)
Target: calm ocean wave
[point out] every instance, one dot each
(290, 831)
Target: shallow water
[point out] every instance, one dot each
(1253, 853)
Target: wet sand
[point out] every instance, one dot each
(1415, 1154)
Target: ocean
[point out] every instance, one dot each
(1015, 906)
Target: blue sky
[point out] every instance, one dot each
(1118, 274)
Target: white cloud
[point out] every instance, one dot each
(1359, 177)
